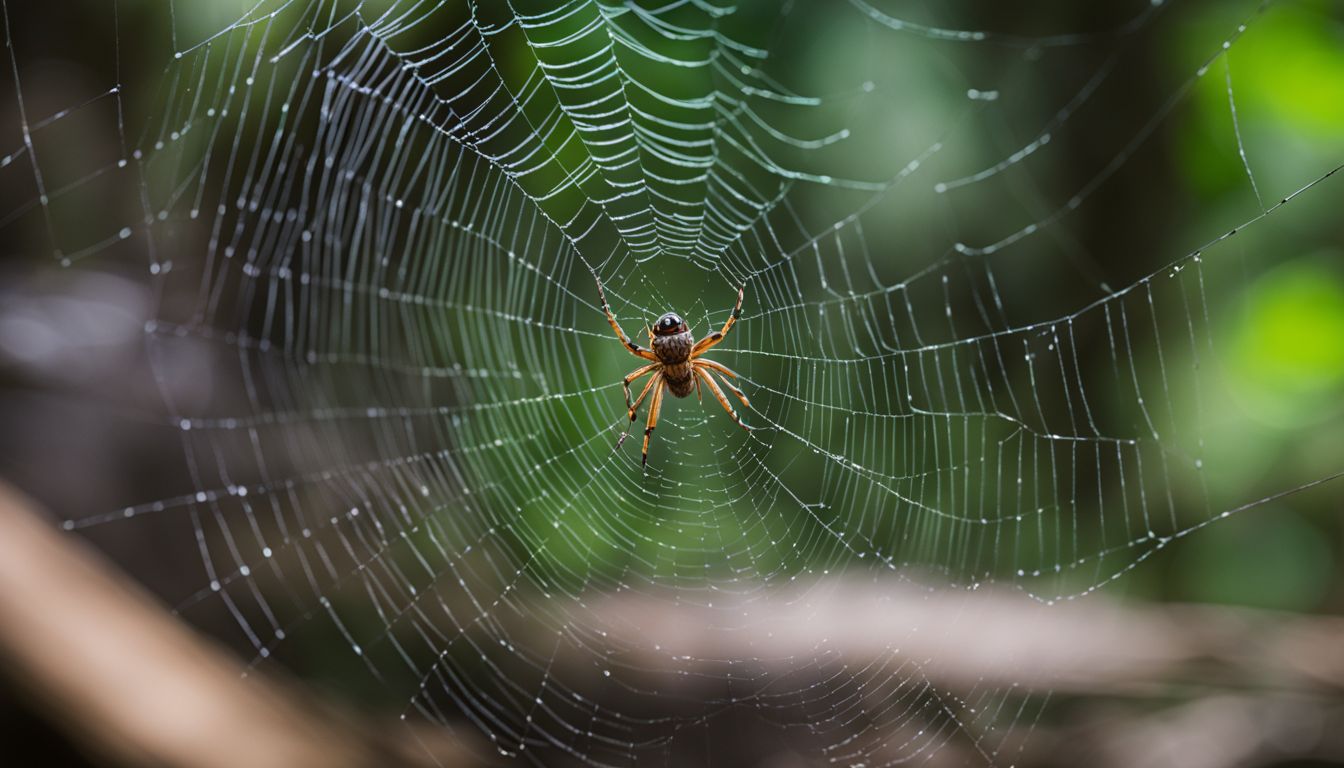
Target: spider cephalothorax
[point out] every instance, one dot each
(675, 366)
(669, 324)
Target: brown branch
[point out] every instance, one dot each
(1143, 685)
(137, 688)
(968, 638)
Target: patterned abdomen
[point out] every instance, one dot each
(674, 351)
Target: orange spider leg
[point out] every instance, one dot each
(718, 393)
(722, 369)
(740, 396)
(635, 374)
(704, 344)
(655, 405)
(653, 382)
(634, 348)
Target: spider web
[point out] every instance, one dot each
(383, 223)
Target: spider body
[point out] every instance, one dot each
(675, 365)
(672, 343)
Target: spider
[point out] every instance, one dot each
(676, 366)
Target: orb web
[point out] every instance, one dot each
(380, 226)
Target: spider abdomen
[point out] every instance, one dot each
(674, 352)
(680, 378)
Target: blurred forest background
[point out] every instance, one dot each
(1211, 640)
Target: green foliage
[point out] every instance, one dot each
(1287, 350)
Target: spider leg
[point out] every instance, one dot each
(717, 366)
(718, 393)
(653, 382)
(704, 344)
(655, 405)
(634, 348)
(710, 364)
(635, 374)
(740, 396)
